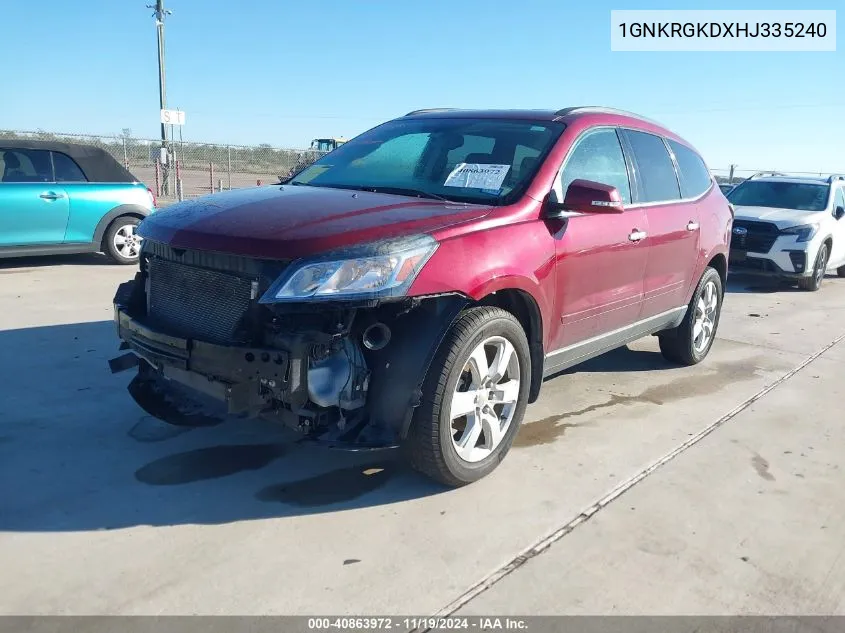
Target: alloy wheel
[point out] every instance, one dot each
(485, 399)
(706, 310)
(127, 243)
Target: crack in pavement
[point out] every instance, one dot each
(585, 515)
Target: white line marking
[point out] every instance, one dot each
(585, 515)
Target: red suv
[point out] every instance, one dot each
(415, 286)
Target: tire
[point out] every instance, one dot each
(431, 442)
(841, 271)
(814, 282)
(680, 345)
(122, 227)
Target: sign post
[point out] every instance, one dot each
(171, 118)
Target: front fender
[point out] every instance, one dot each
(514, 256)
(513, 282)
(399, 369)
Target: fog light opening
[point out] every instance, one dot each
(376, 337)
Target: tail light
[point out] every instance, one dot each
(153, 196)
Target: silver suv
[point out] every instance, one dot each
(789, 227)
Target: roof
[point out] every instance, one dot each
(452, 113)
(532, 115)
(803, 180)
(96, 163)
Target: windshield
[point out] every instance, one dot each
(486, 161)
(781, 195)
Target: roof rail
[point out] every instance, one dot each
(763, 174)
(424, 110)
(835, 177)
(603, 110)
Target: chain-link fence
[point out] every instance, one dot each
(189, 169)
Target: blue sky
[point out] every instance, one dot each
(283, 72)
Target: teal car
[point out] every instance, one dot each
(61, 198)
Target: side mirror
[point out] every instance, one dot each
(839, 213)
(585, 196)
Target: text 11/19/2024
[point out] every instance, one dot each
(427, 623)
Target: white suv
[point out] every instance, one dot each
(789, 227)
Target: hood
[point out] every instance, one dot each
(295, 221)
(783, 218)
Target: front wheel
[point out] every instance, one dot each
(690, 342)
(474, 398)
(814, 282)
(121, 243)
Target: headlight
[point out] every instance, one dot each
(805, 232)
(383, 270)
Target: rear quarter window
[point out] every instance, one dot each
(66, 169)
(695, 177)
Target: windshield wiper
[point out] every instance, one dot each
(399, 191)
(404, 191)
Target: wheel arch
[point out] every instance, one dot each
(720, 263)
(524, 307)
(828, 241)
(399, 370)
(124, 210)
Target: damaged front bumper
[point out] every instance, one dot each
(190, 382)
(234, 375)
(194, 383)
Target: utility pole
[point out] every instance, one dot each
(160, 13)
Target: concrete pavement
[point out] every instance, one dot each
(750, 520)
(105, 510)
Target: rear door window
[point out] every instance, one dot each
(66, 169)
(658, 179)
(26, 165)
(598, 157)
(695, 177)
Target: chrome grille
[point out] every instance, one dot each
(196, 302)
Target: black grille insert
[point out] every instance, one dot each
(196, 302)
(757, 238)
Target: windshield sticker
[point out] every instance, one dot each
(312, 172)
(477, 176)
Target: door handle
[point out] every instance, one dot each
(51, 195)
(692, 226)
(636, 236)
